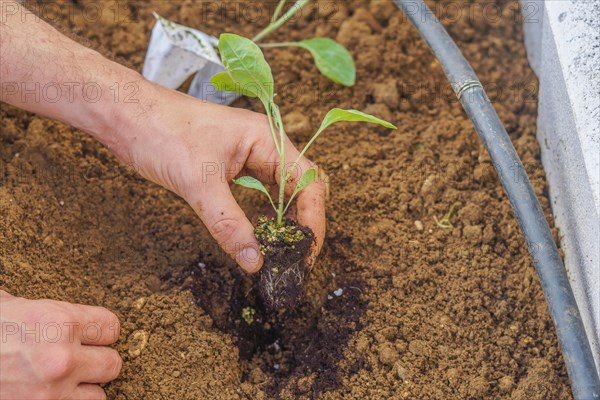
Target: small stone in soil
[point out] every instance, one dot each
(401, 372)
(137, 342)
(419, 225)
(139, 303)
(339, 292)
(276, 346)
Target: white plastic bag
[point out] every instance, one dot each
(175, 52)
(201, 87)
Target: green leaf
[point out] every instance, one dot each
(332, 59)
(247, 66)
(306, 179)
(339, 115)
(223, 81)
(252, 183)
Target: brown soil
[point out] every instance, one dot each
(423, 312)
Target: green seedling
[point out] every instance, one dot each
(248, 315)
(249, 74)
(331, 58)
(445, 223)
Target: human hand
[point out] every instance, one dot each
(196, 148)
(55, 350)
(191, 147)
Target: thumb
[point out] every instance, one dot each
(230, 227)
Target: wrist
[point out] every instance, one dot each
(108, 118)
(148, 122)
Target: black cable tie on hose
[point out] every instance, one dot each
(460, 89)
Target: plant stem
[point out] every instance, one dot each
(278, 10)
(274, 25)
(310, 142)
(272, 109)
(281, 44)
(282, 174)
(270, 118)
(282, 183)
(445, 221)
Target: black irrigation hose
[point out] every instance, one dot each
(576, 350)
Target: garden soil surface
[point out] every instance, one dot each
(396, 306)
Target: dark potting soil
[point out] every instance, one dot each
(422, 313)
(285, 249)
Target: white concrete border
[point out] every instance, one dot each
(563, 46)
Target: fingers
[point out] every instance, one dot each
(228, 224)
(98, 326)
(86, 391)
(98, 364)
(310, 208)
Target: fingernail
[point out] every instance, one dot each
(249, 259)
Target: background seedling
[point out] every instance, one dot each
(177, 51)
(445, 223)
(331, 58)
(276, 22)
(249, 74)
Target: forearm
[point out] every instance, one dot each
(45, 72)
